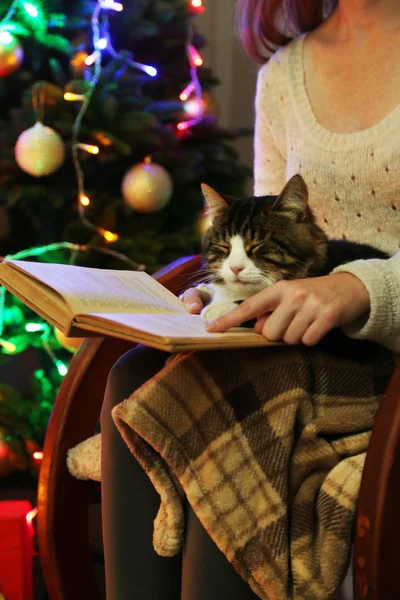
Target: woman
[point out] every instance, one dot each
(327, 106)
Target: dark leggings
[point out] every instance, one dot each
(129, 505)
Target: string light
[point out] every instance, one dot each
(193, 107)
(110, 4)
(101, 42)
(196, 6)
(194, 57)
(92, 58)
(109, 236)
(61, 368)
(6, 38)
(10, 13)
(187, 92)
(196, 106)
(34, 327)
(84, 200)
(9, 347)
(90, 149)
(71, 97)
(31, 514)
(31, 10)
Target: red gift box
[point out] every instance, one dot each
(16, 550)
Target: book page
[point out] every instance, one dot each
(183, 325)
(90, 290)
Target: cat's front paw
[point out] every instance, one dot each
(216, 309)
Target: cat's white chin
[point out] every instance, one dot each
(248, 287)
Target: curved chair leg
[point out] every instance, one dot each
(377, 526)
(63, 501)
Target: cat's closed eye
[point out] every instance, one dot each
(221, 248)
(255, 247)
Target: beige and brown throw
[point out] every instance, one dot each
(268, 447)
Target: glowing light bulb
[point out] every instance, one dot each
(110, 4)
(197, 7)
(61, 368)
(31, 10)
(152, 71)
(33, 327)
(31, 515)
(6, 38)
(84, 200)
(194, 57)
(38, 455)
(194, 107)
(8, 346)
(89, 148)
(90, 60)
(109, 236)
(102, 43)
(187, 92)
(183, 126)
(71, 97)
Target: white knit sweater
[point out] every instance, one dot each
(353, 181)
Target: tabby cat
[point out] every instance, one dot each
(255, 242)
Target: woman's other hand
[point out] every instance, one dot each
(303, 310)
(193, 300)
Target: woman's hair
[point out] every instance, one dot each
(257, 22)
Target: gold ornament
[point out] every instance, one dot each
(69, 343)
(147, 187)
(11, 53)
(39, 150)
(203, 221)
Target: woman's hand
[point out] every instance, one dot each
(192, 300)
(303, 310)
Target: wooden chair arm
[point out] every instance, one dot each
(377, 526)
(63, 500)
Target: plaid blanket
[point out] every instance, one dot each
(268, 447)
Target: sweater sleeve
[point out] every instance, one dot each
(382, 279)
(269, 158)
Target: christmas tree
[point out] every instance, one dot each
(107, 126)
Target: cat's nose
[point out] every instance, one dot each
(236, 270)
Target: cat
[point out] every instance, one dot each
(254, 242)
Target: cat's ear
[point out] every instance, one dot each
(214, 201)
(294, 197)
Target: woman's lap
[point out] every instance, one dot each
(130, 504)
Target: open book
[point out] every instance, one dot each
(83, 302)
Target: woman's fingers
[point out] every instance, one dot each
(192, 300)
(258, 327)
(265, 301)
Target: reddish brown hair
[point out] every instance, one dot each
(257, 22)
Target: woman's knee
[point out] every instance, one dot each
(130, 371)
